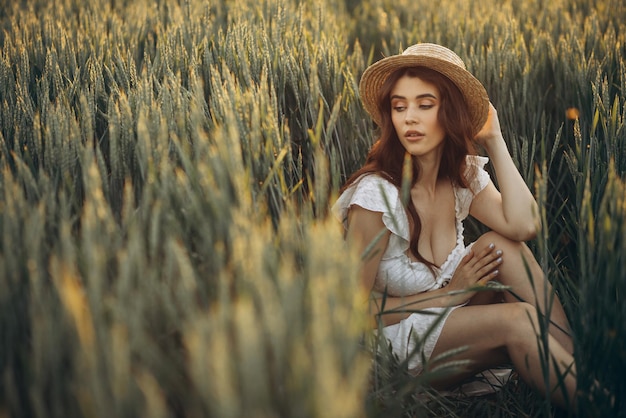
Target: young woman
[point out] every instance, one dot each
(427, 105)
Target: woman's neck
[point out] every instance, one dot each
(428, 174)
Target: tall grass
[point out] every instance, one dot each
(166, 173)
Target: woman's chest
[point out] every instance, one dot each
(437, 215)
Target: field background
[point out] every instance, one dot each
(166, 172)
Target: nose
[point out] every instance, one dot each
(411, 115)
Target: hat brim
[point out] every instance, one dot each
(472, 90)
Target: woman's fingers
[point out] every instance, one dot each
(486, 255)
(487, 250)
(488, 261)
(477, 257)
(466, 259)
(478, 267)
(489, 277)
(490, 264)
(491, 128)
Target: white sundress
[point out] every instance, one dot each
(400, 275)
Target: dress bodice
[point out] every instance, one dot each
(398, 274)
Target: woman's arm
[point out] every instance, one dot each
(367, 231)
(512, 210)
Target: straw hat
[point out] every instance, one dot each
(435, 57)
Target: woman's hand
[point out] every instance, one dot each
(474, 269)
(491, 130)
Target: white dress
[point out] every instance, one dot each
(400, 275)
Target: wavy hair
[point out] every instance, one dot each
(386, 156)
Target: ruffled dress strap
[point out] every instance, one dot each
(478, 180)
(374, 193)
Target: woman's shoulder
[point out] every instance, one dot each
(371, 191)
(372, 185)
(374, 192)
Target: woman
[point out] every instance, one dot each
(429, 107)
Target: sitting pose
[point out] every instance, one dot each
(429, 107)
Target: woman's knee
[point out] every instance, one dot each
(523, 323)
(523, 310)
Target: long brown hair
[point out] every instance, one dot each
(387, 154)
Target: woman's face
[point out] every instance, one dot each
(414, 109)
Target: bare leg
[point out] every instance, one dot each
(513, 273)
(505, 332)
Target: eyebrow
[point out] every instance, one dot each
(420, 96)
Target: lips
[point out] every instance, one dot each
(413, 135)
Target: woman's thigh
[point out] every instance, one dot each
(525, 277)
(484, 330)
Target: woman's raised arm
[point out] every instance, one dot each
(511, 211)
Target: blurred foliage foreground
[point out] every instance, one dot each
(166, 172)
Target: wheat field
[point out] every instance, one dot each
(166, 173)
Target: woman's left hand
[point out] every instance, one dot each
(491, 130)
